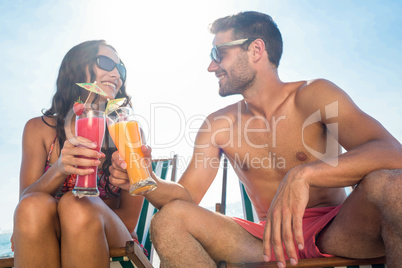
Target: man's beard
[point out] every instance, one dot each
(239, 78)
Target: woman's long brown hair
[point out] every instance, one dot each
(73, 69)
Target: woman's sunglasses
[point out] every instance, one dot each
(107, 64)
(216, 57)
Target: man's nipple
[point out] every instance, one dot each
(301, 156)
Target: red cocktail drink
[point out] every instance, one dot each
(91, 125)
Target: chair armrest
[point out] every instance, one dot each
(7, 262)
(309, 263)
(134, 252)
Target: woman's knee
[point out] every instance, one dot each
(35, 210)
(78, 213)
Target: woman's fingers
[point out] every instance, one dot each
(118, 172)
(118, 162)
(80, 171)
(79, 152)
(81, 141)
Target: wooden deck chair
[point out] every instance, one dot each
(132, 255)
(335, 262)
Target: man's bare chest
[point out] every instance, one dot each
(277, 144)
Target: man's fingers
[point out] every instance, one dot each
(288, 241)
(298, 231)
(277, 246)
(266, 250)
(147, 151)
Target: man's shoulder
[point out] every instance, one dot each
(224, 117)
(314, 85)
(228, 111)
(317, 90)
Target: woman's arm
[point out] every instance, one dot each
(33, 177)
(34, 154)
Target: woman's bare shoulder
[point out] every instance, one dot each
(40, 127)
(41, 122)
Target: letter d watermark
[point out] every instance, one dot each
(332, 146)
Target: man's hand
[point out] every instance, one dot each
(284, 219)
(147, 151)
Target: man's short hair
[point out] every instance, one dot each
(251, 24)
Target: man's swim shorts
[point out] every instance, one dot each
(314, 220)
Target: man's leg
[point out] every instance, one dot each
(369, 223)
(186, 235)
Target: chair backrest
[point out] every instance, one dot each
(249, 212)
(160, 168)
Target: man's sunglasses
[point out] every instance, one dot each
(107, 64)
(216, 57)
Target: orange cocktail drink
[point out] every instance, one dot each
(126, 135)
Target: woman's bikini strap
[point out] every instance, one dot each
(51, 149)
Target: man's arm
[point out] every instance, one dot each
(196, 179)
(369, 147)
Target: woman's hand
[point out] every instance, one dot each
(118, 172)
(118, 169)
(78, 152)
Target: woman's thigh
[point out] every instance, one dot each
(91, 214)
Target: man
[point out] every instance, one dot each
(282, 140)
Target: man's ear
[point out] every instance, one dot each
(257, 48)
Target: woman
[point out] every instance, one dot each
(52, 227)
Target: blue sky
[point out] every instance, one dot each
(165, 46)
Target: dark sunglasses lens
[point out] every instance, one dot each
(122, 71)
(108, 64)
(215, 55)
(105, 63)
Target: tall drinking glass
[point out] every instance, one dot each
(91, 125)
(125, 133)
